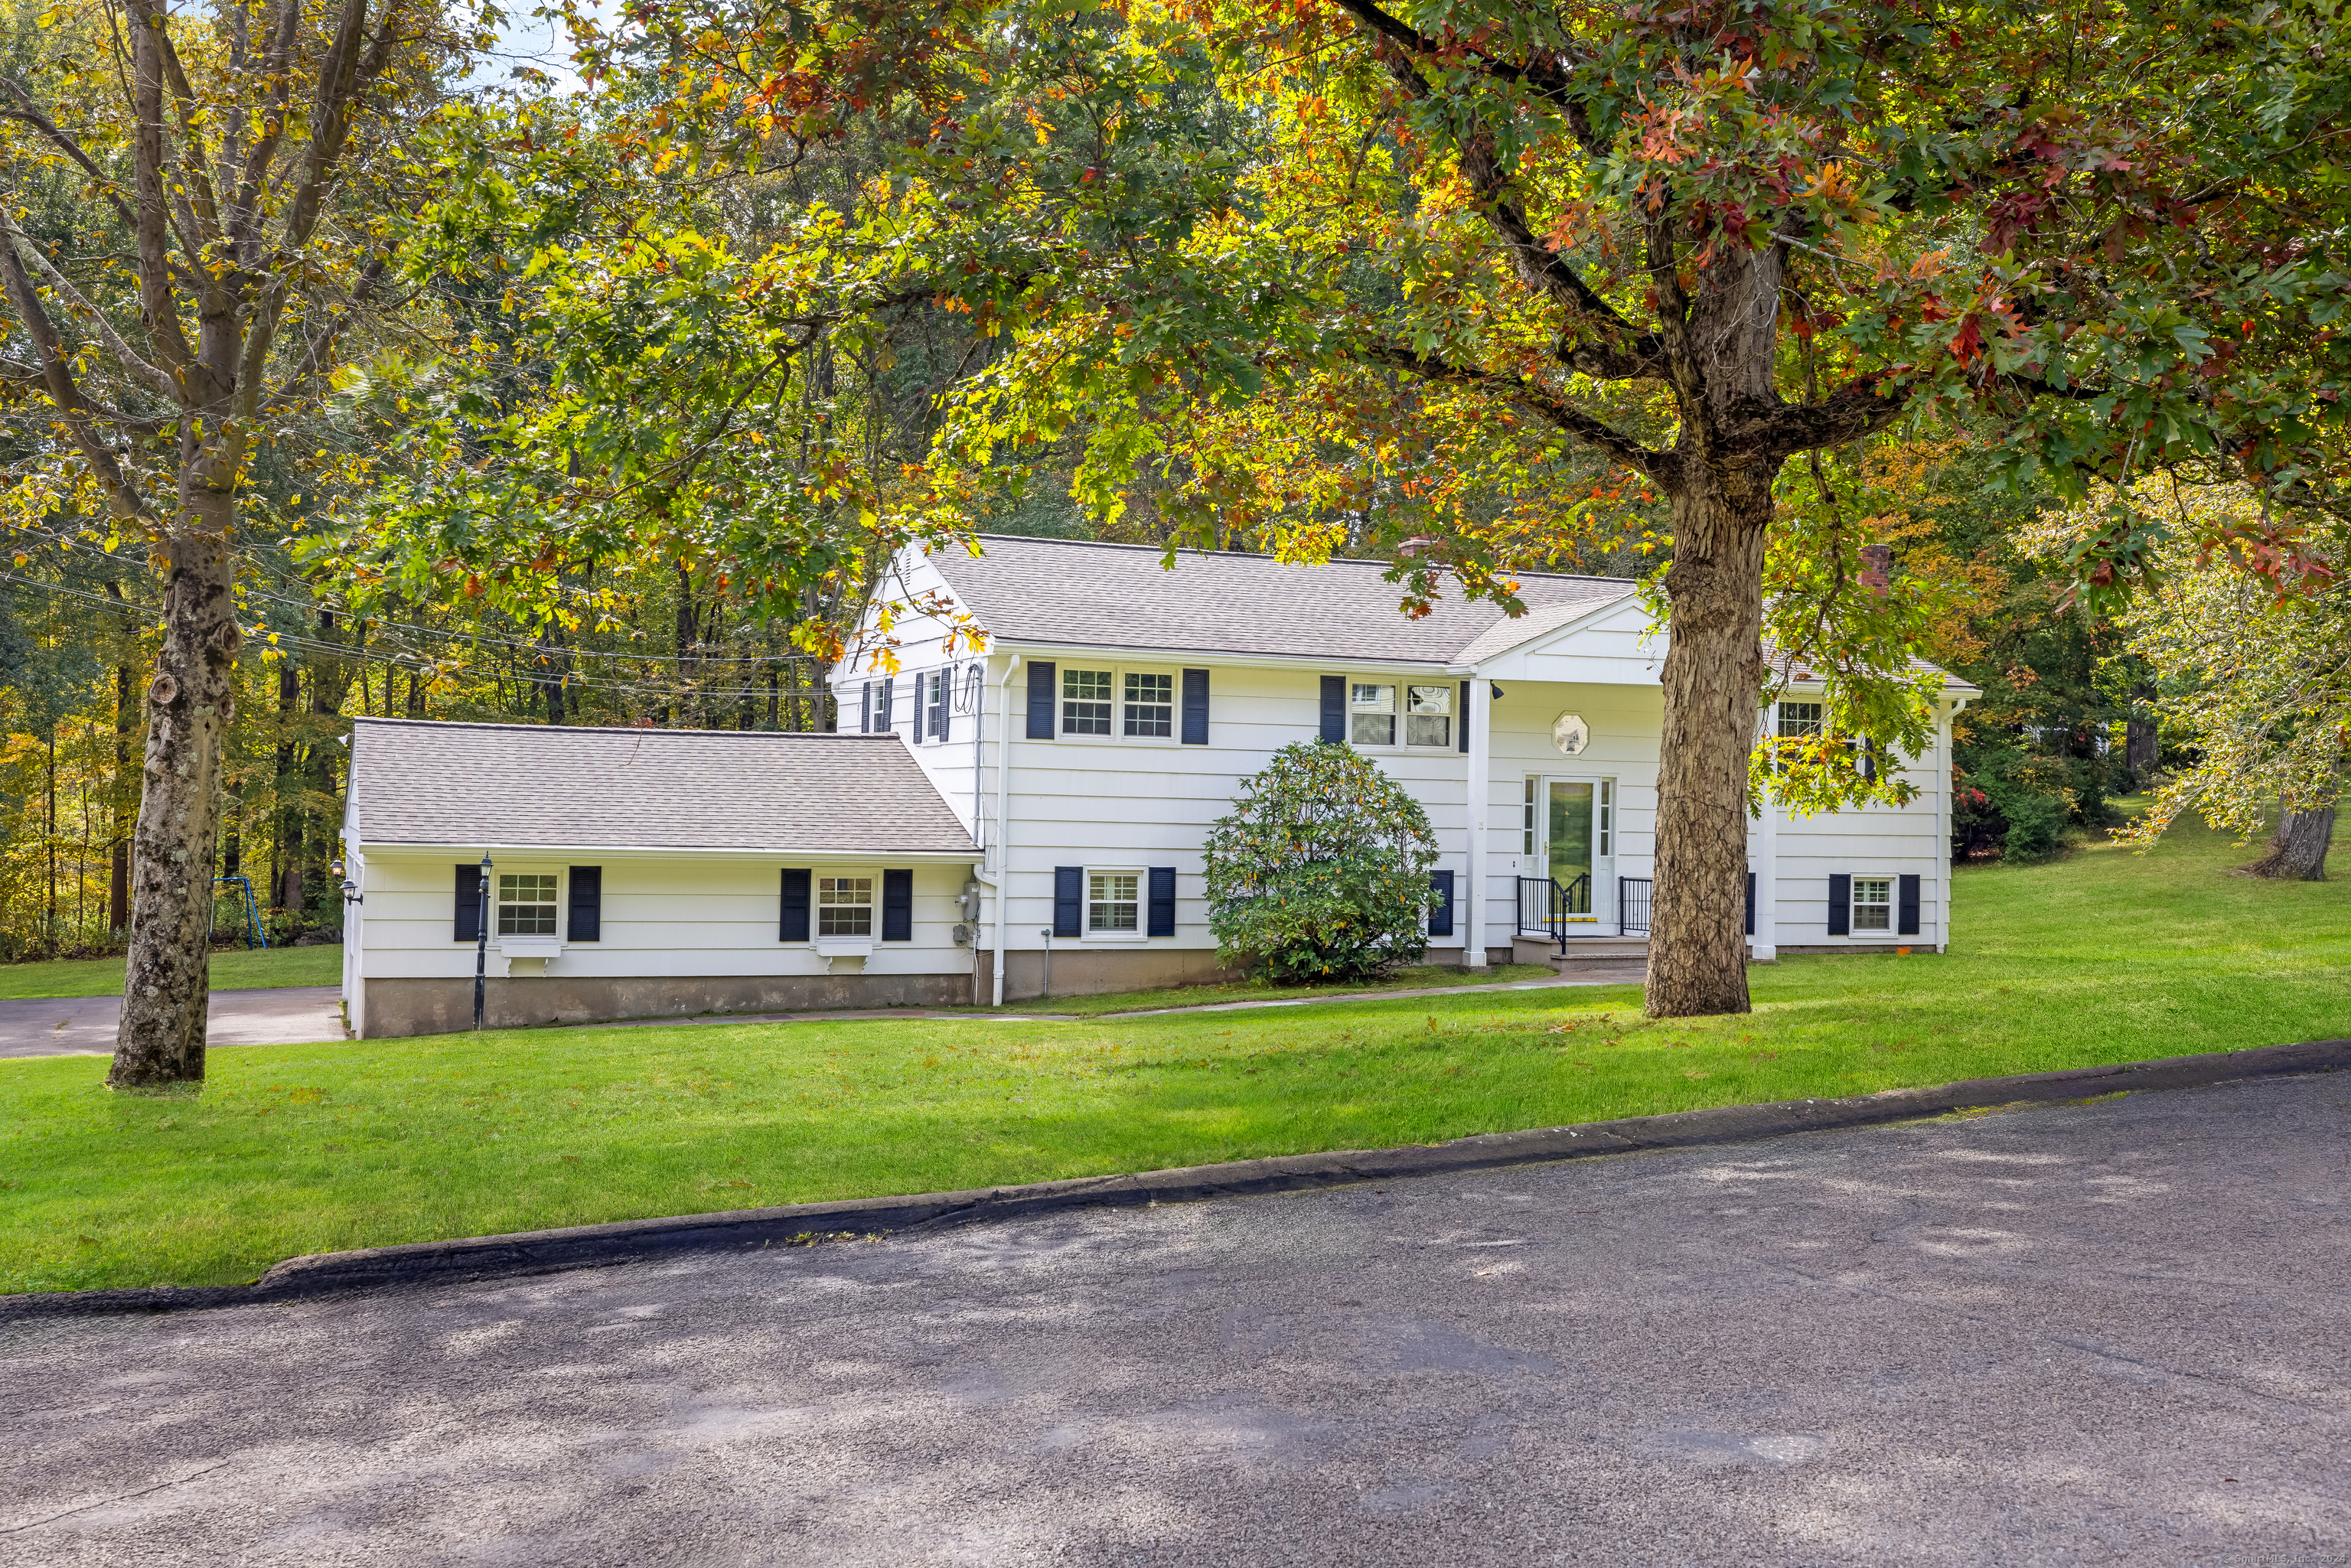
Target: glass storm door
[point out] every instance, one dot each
(1579, 825)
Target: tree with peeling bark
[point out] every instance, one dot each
(242, 157)
(1709, 242)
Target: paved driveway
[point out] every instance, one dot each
(76, 1026)
(2115, 1335)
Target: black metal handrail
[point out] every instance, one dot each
(1546, 906)
(1632, 905)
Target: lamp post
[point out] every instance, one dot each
(482, 940)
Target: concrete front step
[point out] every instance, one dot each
(1580, 950)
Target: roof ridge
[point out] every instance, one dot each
(1253, 555)
(618, 729)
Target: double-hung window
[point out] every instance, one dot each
(1150, 705)
(1370, 713)
(844, 907)
(525, 904)
(1800, 721)
(1428, 716)
(1113, 903)
(1085, 702)
(1873, 903)
(938, 725)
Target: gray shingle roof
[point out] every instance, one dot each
(1074, 593)
(415, 782)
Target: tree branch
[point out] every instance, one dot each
(139, 370)
(1662, 466)
(245, 219)
(1545, 79)
(1775, 431)
(30, 113)
(153, 223)
(73, 410)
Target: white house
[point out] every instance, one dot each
(643, 873)
(1048, 786)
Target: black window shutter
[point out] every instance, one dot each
(1163, 902)
(1195, 708)
(1440, 904)
(897, 906)
(865, 710)
(1751, 903)
(1907, 911)
(884, 719)
(1841, 905)
(1334, 707)
(794, 926)
(469, 903)
(1463, 717)
(1068, 898)
(921, 685)
(587, 921)
(1040, 701)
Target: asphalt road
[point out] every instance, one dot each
(2116, 1334)
(84, 1025)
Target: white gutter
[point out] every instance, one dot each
(1003, 846)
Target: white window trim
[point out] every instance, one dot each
(1853, 906)
(1141, 875)
(817, 875)
(532, 947)
(1402, 714)
(1118, 673)
(938, 717)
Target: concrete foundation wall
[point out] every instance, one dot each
(405, 1006)
(1092, 971)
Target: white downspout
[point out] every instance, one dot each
(1003, 846)
(1480, 719)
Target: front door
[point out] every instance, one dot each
(1579, 828)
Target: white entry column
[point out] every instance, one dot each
(1479, 718)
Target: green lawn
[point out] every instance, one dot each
(1412, 978)
(2103, 957)
(236, 970)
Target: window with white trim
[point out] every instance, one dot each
(1150, 704)
(938, 725)
(1528, 851)
(1428, 716)
(1873, 903)
(844, 907)
(1113, 903)
(1085, 702)
(1370, 713)
(525, 904)
(1800, 721)
(1608, 818)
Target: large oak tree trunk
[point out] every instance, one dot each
(1713, 676)
(189, 705)
(2298, 853)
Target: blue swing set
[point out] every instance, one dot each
(254, 936)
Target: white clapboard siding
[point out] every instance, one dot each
(1106, 802)
(681, 916)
